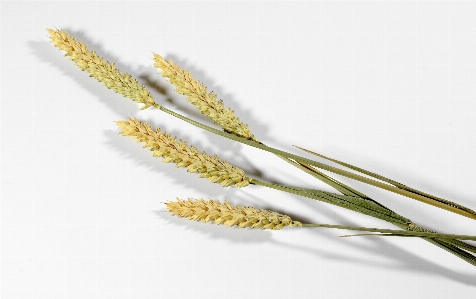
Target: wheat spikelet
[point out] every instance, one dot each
(177, 151)
(101, 70)
(225, 213)
(206, 102)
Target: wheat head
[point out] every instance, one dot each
(225, 213)
(101, 70)
(204, 101)
(177, 151)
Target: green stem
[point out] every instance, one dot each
(453, 246)
(344, 189)
(348, 202)
(392, 232)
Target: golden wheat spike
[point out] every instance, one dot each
(177, 151)
(101, 70)
(225, 213)
(204, 101)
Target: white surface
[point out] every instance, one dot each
(387, 86)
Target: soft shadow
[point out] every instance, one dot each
(400, 259)
(395, 258)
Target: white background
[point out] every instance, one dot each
(387, 86)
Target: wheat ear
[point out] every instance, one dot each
(177, 151)
(101, 70)
(204, 101)
(225, 213)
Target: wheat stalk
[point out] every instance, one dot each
(204, 101)
(177, 151)
(225, 213)
(101, 70)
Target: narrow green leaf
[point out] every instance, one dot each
(402, 189)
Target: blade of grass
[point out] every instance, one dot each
(409, 192)
(412, 234)
(391, 232)
(323, 177)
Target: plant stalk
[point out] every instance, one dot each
(335, 170)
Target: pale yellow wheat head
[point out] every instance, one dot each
(177, 151)
(103, 71)
(225, 213)
(204, 101)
